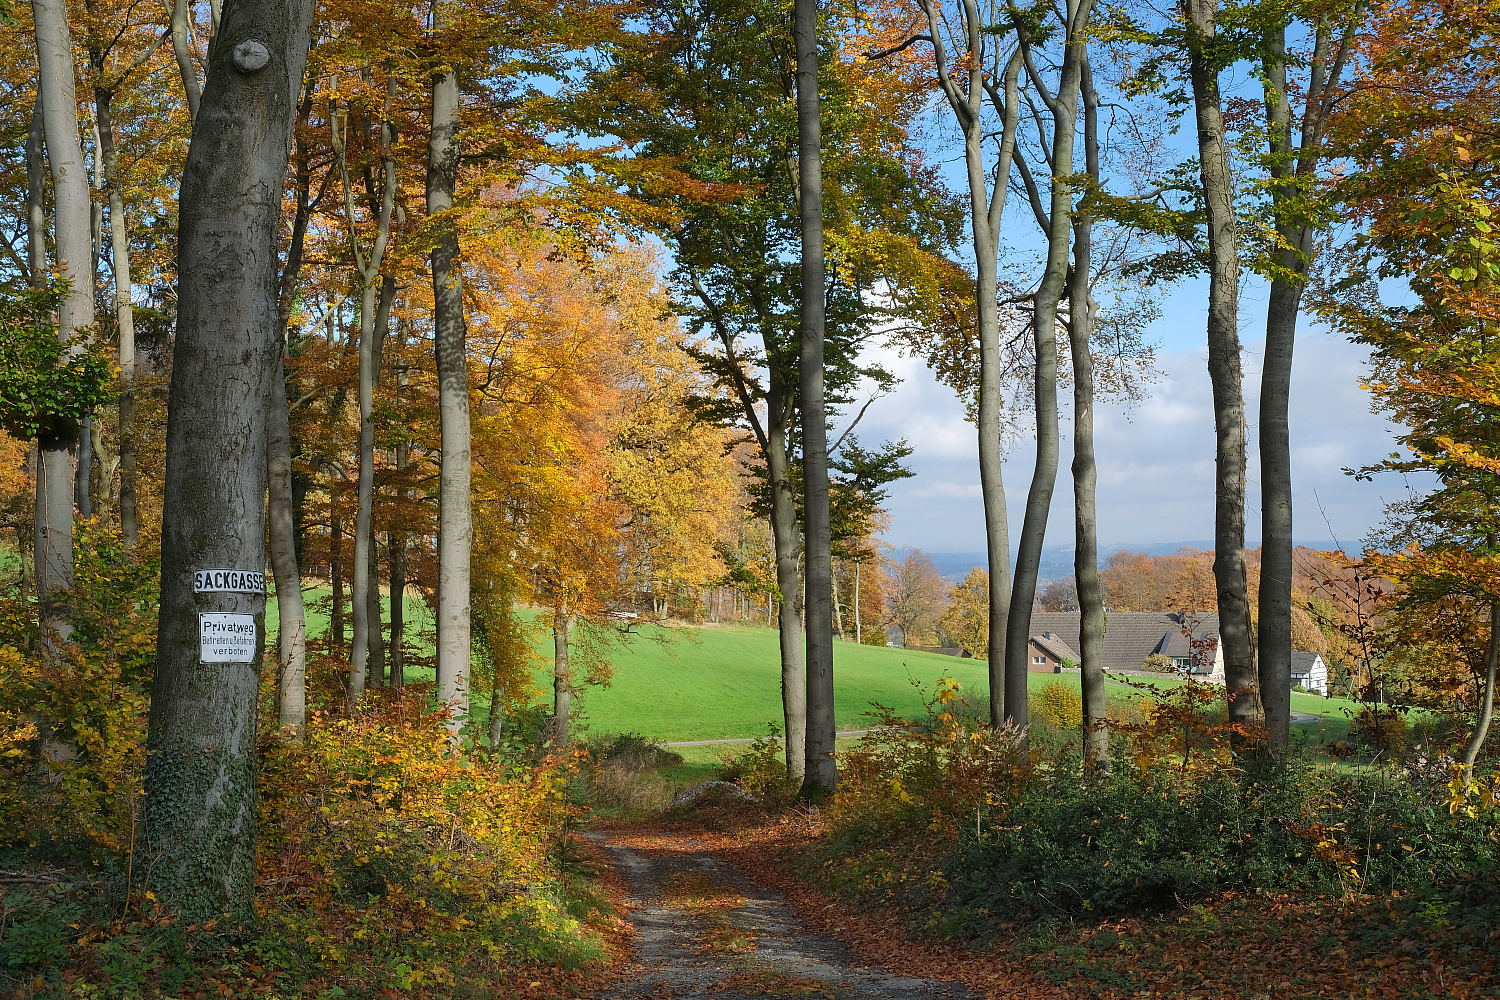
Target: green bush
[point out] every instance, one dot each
(1148, 842)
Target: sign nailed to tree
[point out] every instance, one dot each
(232, 581)
(226, 638)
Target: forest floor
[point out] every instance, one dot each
(721, 906)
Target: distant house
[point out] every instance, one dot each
(1309, 671)
(1047, 653)
(1129, 638)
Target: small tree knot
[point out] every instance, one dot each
(251, 56)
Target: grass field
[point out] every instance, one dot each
(723, 682)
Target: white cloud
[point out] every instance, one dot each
(1156, 458)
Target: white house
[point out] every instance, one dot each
(1309, 670)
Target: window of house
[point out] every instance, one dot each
(1039, 659)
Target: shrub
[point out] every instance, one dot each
(1381, 731)
(1060, 705)
(761, 768)
(959, 826)
(624, 774)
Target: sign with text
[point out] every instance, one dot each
(228, 581)
(226, 638)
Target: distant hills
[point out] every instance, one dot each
(1057, 560)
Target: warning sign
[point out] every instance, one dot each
(226, 638)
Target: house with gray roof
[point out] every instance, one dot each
(1129, 638)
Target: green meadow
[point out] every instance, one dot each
(723, 682)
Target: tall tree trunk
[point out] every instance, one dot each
(119, 244)
(562, 678)
(183, 51)
(1085, 471)
(1064, 109)
(335, 571)
(291, 634)
(1486, 696)
(282, 505)
(986, 211)
(1223, 365)
(374, 312)
(396, 556)
(455, 522)
(376, 660)
(789, 620)
(73, 239)
(396, 541)
(858, 631)
(1292, 170)
(1274, 638)
(36, 199)
(821, 770)
(198, 835)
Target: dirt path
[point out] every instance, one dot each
(703, 930)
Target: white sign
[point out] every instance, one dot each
(226, 638)
(231, 581)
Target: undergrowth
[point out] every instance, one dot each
(970, 829)
(391, 861)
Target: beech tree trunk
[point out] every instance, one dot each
(36, 199)
(562, 679)
(282, 506)
(119, 245)
(1486, 696)
(455, 522)
(182, 50)
(198, 831)
(821, 770)
(1064, 109)
(376, 654)
(987, 199)
(335, 571)
(789, 619)
(1223, 365)
(1085, 471)
(396, 555)
(291, 629)
(374, 308)
(1292, 169)
(73, 240)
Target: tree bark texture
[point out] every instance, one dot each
(822, 770)
(36, 199)
(119, 245)
(198, 834)
(1292, 170)
(336, 624)
(455, 520)
(1486, 695)
(1223, 364)
(375, 661)
(396, 556)
(374, 309)
(291, 635)
(74, 247)
(1064, 109)
(286, 555)
(562, 679)
(986, 212)
(1085, 470)
(183, 51)
(789, 619)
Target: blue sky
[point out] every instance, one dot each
(1155, 458)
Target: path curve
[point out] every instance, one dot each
(704, 930)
